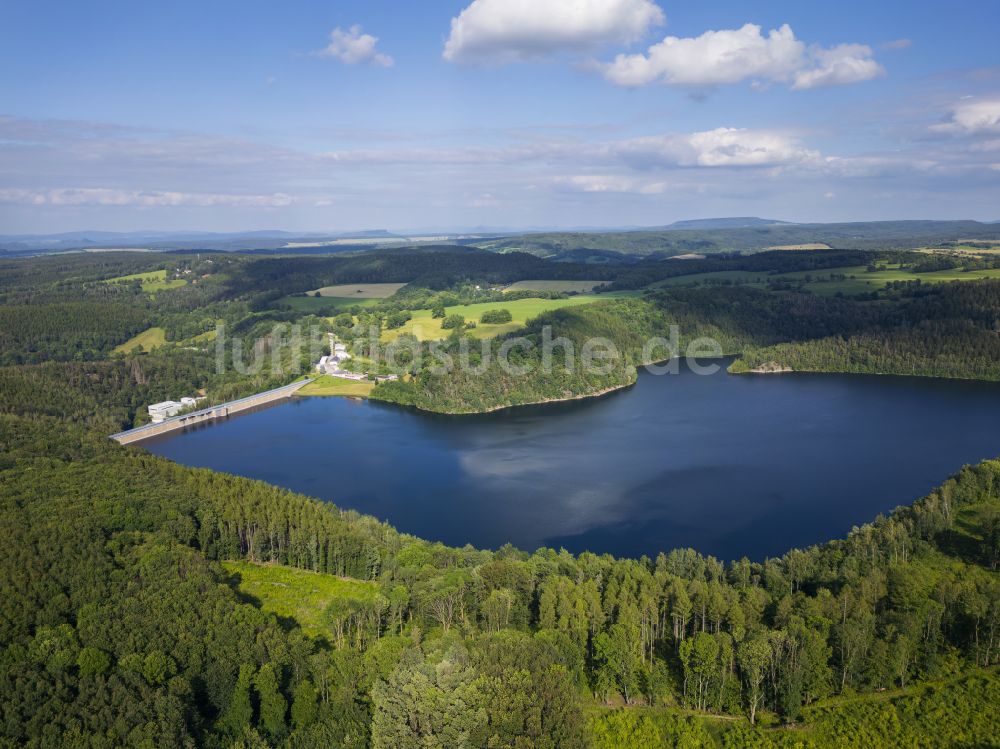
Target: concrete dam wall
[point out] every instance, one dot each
(211, 413)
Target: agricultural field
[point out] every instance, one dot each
(326, 385)
(979, 247)
(856, 278)
(147, 340)
(334, 299)
(859, 280)
(566, 287)
(806, 246)
(299, 594)
(152, 281)
(427, 328)
(359, 290)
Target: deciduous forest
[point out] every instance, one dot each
(120, 625)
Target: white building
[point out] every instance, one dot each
(321, 367)
(160, 411)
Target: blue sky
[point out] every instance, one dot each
(319, 116)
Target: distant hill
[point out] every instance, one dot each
(738, 222)
(674, 240)
(698, 236)
(266, 239)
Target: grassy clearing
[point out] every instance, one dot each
(207, 337)
(952, 712)
(147, 340)
(295, 593)
(152, 281)
(426, 328)
(327, 385)
(360, 290)
(566, 287)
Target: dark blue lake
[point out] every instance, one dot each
(729, 465)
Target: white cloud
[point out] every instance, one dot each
(502, 31)
(486, 200)
(577, 176)
(714, 58)
(138, 198)
(609, 183)
(898, 44)
(973, 116)
(722, 147)
(352, 47)
(734, 55)
(838, 66)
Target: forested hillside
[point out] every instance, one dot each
(119, 626)
(873, 235)
(485, 384)
(947, 331)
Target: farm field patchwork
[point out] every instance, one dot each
(427, 328)
(853, 279)
(858, 279)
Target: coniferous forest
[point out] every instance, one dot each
(123, 622)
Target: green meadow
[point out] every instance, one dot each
(298, 594)
(207, 337)
(427, 328)
(152, 281)
(147, 340)
(327, 385)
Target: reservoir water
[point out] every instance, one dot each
(729, 465)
